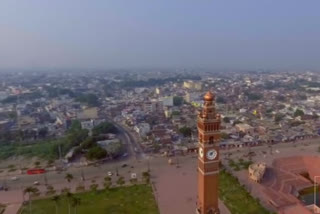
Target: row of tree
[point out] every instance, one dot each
(72, 200)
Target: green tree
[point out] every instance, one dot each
(65, 190)
(30, 191)
(50, 162)
(80, 188)
(37, 164)
(75, 126)
(89, 99)
(69, 178)
(120, 181)
(88, 143)
(107, 184)
(107, 178)
(237, 122)
(94, 187)
(12, 115)
(224, 135)
(69, 196)
(96, 153)
(278, 117)
(104, 128)
(133, 181)
(175, 113)
(146, 176)
(253, 96)
(43, 132)
(50, 190)
(298, 113)
(185, 131)
(56, 200)
(75, 202)
(74, 138)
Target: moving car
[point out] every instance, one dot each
(14, 178)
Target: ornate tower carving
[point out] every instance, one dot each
(208, 157)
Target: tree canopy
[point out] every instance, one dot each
(89, 99)
(185, 131)
(96, 153)
(104, 128)
(298, 113)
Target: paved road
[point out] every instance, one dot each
(139, 165)
(134, 148)
(274, 147)
(179, 189)
(135, 157)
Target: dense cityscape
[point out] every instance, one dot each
(129, 122)
(159, 107)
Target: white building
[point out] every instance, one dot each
(192, 85)
(167, 101)
(193, 97)
(142, 129)
(90, 124)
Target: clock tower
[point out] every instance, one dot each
(208, 157)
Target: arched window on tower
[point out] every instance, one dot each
(211, 140)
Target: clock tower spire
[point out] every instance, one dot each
(208, 157)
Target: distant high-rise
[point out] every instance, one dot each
(208, 157)
(192, 85)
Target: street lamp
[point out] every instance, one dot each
(45, 178)
(117, 173)
(178, 162)
(82, 174)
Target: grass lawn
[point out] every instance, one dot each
(242, 164)
(236, 198)
(122, 200)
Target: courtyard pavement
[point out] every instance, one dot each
(176, 187)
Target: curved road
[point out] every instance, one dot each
(134, 148)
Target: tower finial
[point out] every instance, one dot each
(209, 96)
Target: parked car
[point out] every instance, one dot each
(3, 188)
(109, 173)
(36, 183)
(133, 175)
(124, 165)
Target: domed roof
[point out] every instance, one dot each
(209, 96)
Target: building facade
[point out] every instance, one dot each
(208, 157)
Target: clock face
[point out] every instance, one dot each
(212, 154)
(201, 152)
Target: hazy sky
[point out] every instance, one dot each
(271, 34)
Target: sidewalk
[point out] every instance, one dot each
(12, 208)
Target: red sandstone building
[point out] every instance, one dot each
(208, 157)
